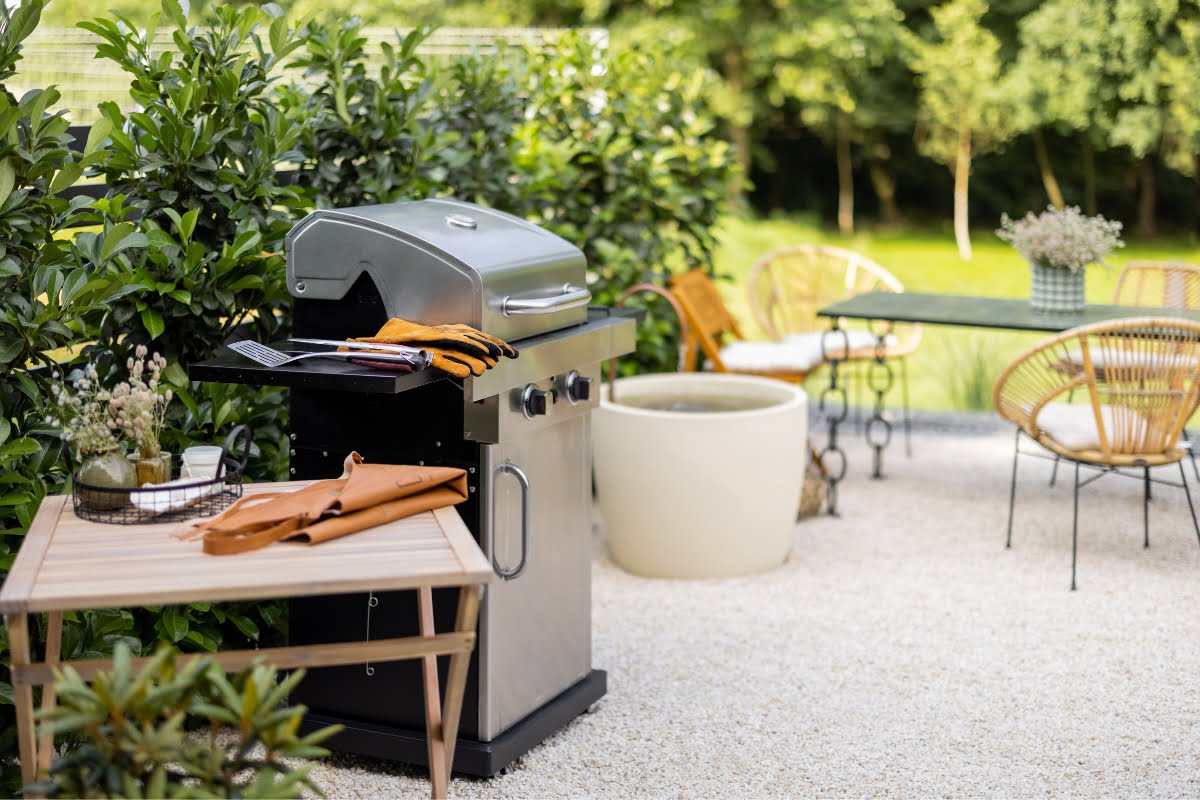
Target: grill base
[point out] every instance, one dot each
(479, 759)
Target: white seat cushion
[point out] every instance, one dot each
(798, 352)
(1074, 426)
(771, 356)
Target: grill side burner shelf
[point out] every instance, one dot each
(529, 471)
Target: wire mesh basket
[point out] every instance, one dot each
(170, 502)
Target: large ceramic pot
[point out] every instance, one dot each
(699, 475)
(1056, 290)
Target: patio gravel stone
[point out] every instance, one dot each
(900, 652)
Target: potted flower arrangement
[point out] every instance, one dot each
(138, 407)
(95, 420)
(1059, 244)
(86, 424)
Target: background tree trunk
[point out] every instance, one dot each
(1147, 198)
(1195, 186)
(845, 169)
(739, 133)
(1089, 175)
(1048, 180)
(885, 189)
(962, 177)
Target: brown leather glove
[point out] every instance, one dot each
(501, 347)
(459, 364)
(462, 338)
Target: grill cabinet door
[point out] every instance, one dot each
(536, 628)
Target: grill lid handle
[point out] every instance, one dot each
(571, 297)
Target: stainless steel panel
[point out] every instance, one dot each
(536, 630)
(437, 261)
(328, 251)
(554, 353)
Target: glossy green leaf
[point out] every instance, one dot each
(153, 322)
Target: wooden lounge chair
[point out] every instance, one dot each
(1132, 418)
(715, 332)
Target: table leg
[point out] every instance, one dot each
(45, 746)
(434, 731)
(18, 645)
(834, 352)
(880, 379)
(456, 678)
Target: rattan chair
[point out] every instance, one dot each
(789, 285)
(715, 332)
(1132, 418)
(1160, 284)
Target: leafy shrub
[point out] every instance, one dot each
(197, 165)
(135, 742)
(199, 162)
(629, 168)
(52, 300)
(477, 110)
(363, 140)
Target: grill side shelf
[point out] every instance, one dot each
(606, 334)
(314, 373)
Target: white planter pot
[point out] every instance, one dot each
(688, 494)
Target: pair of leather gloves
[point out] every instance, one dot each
(457, 349)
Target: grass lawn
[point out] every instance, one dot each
(955, 367)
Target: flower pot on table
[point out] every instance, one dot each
(1057, 289)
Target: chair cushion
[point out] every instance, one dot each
(861, 343)
(1074, 426)
(798, 352)
(771, 356)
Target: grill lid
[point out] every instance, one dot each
(442, 261)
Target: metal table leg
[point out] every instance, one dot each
(834, 353)
(880, 379)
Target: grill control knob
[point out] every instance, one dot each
(579, 387)
(537, 402)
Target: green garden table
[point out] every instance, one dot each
(932, 309)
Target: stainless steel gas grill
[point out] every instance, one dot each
(521, 431)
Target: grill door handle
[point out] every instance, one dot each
(571, 297)
(523, 479)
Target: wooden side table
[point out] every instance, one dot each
(69, 564)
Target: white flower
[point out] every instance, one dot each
(1062, 237)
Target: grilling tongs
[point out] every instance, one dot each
(411, 357)
(418, 355)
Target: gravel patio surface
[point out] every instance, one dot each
(900, 652)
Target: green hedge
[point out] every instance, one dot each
(616, 153)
